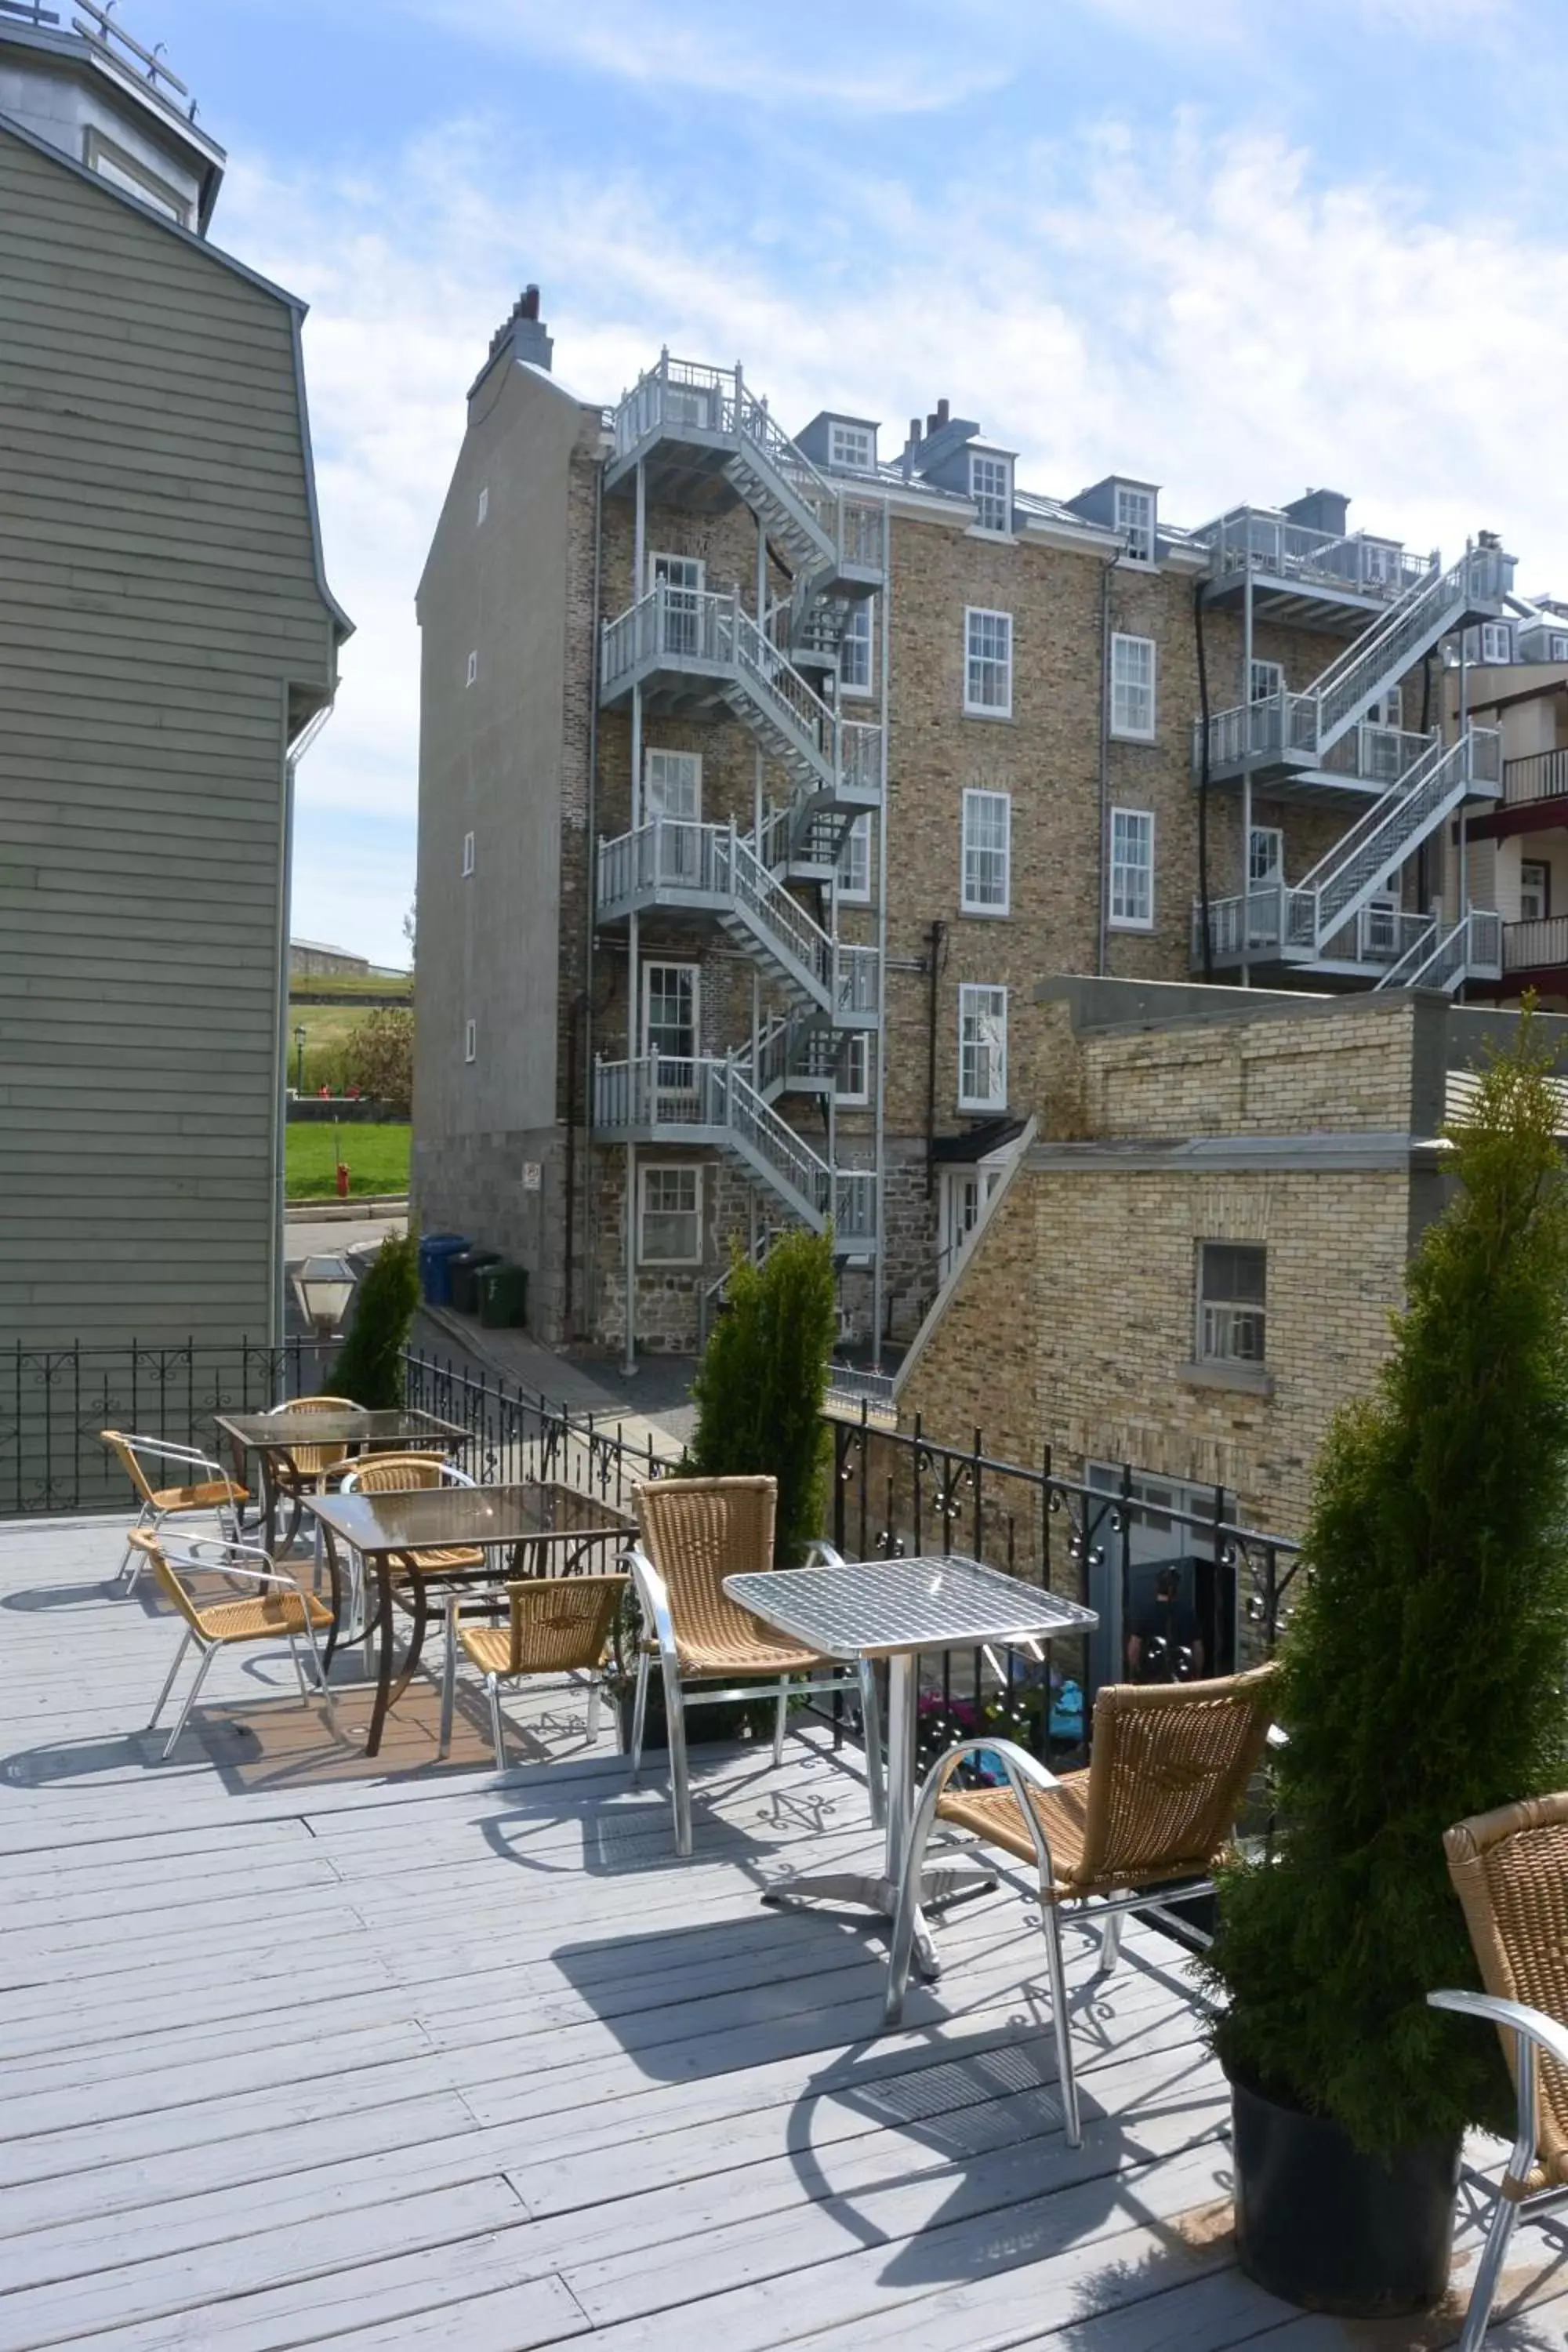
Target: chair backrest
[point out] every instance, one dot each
(1510, 1870)
(125, 1449)
(1168, 1772)
(698, 1531)
(169, 1582)
(309, 1460)
(560, 1625)
(398, 1473)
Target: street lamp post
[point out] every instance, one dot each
(299, 1059)
(324, 1285)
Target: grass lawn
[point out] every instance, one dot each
(377, 1158)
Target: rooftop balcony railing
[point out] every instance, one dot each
(1539, 946)
(1262, 540)
(1538, 776)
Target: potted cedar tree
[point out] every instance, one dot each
(1422, 1681)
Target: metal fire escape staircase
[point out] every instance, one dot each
(1284, 735)
(709, 439)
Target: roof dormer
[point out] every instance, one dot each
(1128, 507)
(846, 444)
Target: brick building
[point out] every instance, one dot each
(761, 776)
(1193, 1258)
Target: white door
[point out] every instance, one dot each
(672, 793)
(670, 1039)
(1534, 889)
(1265, 874)
(959, 1197)
(682, 578)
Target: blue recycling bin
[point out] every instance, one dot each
(437, 1252)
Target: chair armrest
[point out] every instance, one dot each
(653, 1595)
(190, 1457)
(822, 1554)
(189, 1551)
(1532, 2025)
(1023, 1771)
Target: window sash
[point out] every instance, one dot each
(1133, 687)
(851, 447)
(1133, 867)
(1267, 679)
(1135, 521)
(855, 864)
(988, 661)
(987, 860)
(982, 1048)
(669, 1223)
(1534, 889)
(672, 785)
(855, 649)
(854, 1084)
(990, 487)
(1233, 1299)
(1266, 860)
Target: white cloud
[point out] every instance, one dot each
(1196, 310)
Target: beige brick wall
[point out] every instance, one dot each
(1345, 1073)
(1073, 1320)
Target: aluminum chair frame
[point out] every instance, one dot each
(493, 1677)
(272, 1577)
(1534, 2033)
(448, 1598)
(289, 1480)
(151, 1517)
(1096, 1906)
(660, 1640)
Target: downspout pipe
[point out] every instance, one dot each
(591, 848)
(934, 961)
(1203, 781)
(1101, 944)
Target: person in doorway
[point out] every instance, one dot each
(1165, 1645)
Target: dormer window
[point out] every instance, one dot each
(852, 446)
(1135, 521)
(991, 488)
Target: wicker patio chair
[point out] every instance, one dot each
(301, 1470)
(556, 1625)
(1168, 1773)
(695, 1532)
(1510, 1870)
(401, 1474)
(277, 1607)
(211, 1491)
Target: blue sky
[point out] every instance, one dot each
(1234, 247)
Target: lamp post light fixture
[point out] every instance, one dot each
(323, 1286)
(299, 1059)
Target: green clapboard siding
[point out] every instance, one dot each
(160, 616)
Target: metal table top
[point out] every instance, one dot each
(892, 1608)
(260, 1430)
(431, 1518)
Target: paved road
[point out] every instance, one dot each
(303, 1237)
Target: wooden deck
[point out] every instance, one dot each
(296, 2053)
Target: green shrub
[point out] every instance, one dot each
(1423, 1671)
(761, 1382)
(369, 1367)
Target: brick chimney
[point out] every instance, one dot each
(525, 331)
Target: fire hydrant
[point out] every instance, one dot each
(342, 1180)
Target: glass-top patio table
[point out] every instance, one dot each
(895, 1609)
(272, 1436)
(548, 1530)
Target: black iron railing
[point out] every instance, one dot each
(892, 1493)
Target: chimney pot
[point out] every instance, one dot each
(529, 306)
(914, 428)
(942, 412)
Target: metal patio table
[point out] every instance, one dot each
(271, 1435)
(548, 1529)
(895, 1609)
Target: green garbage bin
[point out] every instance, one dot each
(503, 1295)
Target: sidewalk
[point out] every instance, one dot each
(653, 1406)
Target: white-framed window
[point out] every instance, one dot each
(986, 852)
(982, 1048)
(1133, 688)
(1135, 521)
(854, 1081)
(991, 488)
(854, 862)
(855, 648)
(468, 852)
(671, 1024)
(1558, 648)
(473, 669)
(1267, 679)
(470, 1041)
(1232, 1303)
(1534, 889)
(121, 170)
(1265, 857)
(1132, 869)
(1497, 641)
(484, 505)
(670, 1219)
(853, 447)
(683, 579)
(987, 662)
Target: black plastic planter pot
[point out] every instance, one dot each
(1323, 2226)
